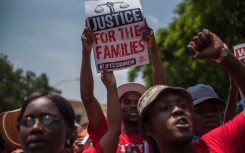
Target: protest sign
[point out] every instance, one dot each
(239, 52)
(117, 41)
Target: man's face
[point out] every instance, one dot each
(170, 118)
(206, 117)
(129, 102)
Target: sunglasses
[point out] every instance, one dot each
(45, 120)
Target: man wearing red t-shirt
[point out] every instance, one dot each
(166, 112)
(129, 140)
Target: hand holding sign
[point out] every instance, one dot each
(108, 79)
(148, 35)
(87, 39)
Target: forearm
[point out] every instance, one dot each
(236, 70)
(86, 78)
(92, 106)
(231, 105)
(114, 110)
(157, 68)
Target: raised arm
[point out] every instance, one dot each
(231, 103)
(91, 104)
(207, 45)
(109, 142)
(157, 65)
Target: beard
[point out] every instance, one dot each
(132, 121)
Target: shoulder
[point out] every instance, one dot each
(229, 137)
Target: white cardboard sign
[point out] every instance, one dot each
(118, 43)
(239, 52)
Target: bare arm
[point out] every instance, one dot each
(207, 45)
(237, 70)
(157, 65)
(109, 142)
(91, 104)
(231, 104)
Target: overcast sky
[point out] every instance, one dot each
(43, 36)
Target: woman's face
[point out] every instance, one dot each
(42, 128)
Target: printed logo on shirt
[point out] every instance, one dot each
(135, 148)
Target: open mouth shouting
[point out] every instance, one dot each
(182, 122)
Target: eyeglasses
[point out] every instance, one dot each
(46, 120)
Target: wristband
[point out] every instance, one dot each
(223, 53)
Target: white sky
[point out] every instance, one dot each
(43, 36)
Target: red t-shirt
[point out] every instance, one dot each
(95, 136)
(127, 143)
(133, 143)
(228, 138)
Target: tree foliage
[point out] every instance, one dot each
(223, 17)
(15, 85)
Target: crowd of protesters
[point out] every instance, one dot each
(162, 119)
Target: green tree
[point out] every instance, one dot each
(15, 86)
(223, 17)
